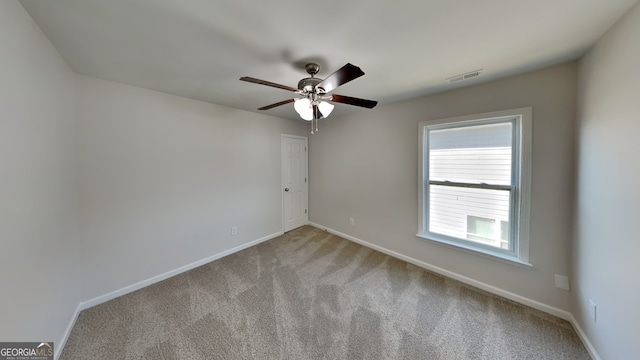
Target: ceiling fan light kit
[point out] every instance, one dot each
(304, 108)
(314, 101)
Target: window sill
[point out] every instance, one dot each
(480, 252)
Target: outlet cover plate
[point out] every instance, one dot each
(562, 282)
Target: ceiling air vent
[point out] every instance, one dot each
(465, 76)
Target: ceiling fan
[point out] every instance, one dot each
(314, 101)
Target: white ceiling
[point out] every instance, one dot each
(199, 48)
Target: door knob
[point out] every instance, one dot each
(286, 189)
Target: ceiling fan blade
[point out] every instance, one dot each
(340, 77)
(369, 104)
(283, 102)
(268, 83)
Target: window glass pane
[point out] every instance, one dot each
(504, 230)
(504, 234)
(471, 154)
(469, 213)
(481, 226)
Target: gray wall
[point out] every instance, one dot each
(364, 166)
(606, 247)
(38, 212)
(103, 185)
(163, 179)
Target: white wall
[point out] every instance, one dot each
(607, 246)
(39, 282)
(365, 165)
(164, 178)
(103, 185)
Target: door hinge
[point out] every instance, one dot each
(305, 179)
(305, 148)
(305, 211)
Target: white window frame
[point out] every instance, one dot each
(520, 190)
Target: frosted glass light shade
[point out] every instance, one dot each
(325, 108)
(303, 108)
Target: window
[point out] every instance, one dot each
(474, 183)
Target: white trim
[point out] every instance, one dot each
(585, 340)
(526, 154)
(474, 250)
(563, 314)
(59, 346)
(139, 285)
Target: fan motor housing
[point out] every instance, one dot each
(308, 84)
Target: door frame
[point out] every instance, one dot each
(282, 176)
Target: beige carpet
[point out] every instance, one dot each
(312, 295)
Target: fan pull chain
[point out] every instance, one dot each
(311, 126)
(316, 125)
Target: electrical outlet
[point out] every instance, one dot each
(562, 282)
(593, 310)
(351, 221)
(234, 230)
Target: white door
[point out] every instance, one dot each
(294, 181)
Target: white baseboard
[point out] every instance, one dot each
(139, 285)
(60, 344)
(585, 340)
(450, 274)
(467, 280)
(563, 314)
